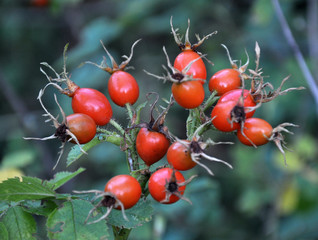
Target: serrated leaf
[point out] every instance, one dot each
(138, 215)
(67, 223)
(4, 235)
(75, 152)
(3, 206)
(43, 208)
(63, 177)
(29, 188)
(19, 224)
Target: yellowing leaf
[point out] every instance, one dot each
(10, 173)
(294, 163)
(288, 199)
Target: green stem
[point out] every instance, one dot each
(117, 126)
(120, 129)
(108, 136)
(209, 102)
(130, 112)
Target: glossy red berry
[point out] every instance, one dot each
(151, 145)
(256, 131)
(224, 81)
(189, 94)
(124, 188)
(197, 69)
(123, 88)
(164, 183)
(235, 95)
(93, 103)
(179, 157)
(221, 116)
(82, 126)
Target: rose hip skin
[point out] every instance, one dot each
(256, 131)
(125, 188)
(189, 94)
(151, 145)
(123, 88)
(82, 126)
(93, 103)
(197, 69)
(179, 157)
(234, 95)
(224, 81)
(159, 181)
(221, 116)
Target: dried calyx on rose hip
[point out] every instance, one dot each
(82, 98)
(184, 154)
(189, 53)
(121, 192)
(167, 185)
(153, 138)
(122, 86)
(235, 106)
(186, 90)
(77, 128)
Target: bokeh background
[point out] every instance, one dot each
(260, 198)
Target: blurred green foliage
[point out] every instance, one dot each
(260, 198)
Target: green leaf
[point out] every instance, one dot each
(106, 136)
(75, 152)
(62, 177)
(67, 223)
(4, 235)
(28, 189)
(138, 215)
(19, 224)
(3, 206)
(43, 208)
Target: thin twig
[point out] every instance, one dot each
(295, 48)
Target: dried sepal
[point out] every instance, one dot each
(172, 188)
(186, 45)
(175, 75)
(197, 147)
(62, 131)
(62, 78)
(156, 124)
(241, 68)
(278, 138)
(115, 66)
(109, 200)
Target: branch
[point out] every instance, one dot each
(295, 48)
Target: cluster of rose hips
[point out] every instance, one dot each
(233, 112)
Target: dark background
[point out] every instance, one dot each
(260, 198)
